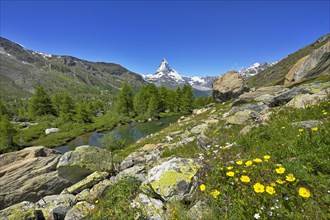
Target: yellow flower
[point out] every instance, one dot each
(303, 192)
(273, 184)
(267, 157)
(202, 187)
(283, 127)
(325, 113)
(315, 129)
(259, 188)
(301, 130)
(279, 181)
(290, 177)
(245, 179)
(230, 173)
(257, 160)
(279, 165)
(280, 170)
(96, 201)
(270, 190)
(229, 168)
(239, 162)
(215, 193)
(248, 163)
(243, 171)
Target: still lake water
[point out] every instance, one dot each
(129, 133)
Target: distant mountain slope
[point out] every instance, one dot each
(21, 69)
(254, 69)
(275, 74)
(170, 78)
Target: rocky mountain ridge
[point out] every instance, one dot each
(254, 69)
(22, 69)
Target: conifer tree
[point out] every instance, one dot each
(40, 103)
(7, 133)
(187, 100)
(125, 100)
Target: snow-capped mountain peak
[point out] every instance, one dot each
(254, 69)
(164, 67)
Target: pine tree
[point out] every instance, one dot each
(187, 100)
(3, 109)
(125, 100)
(178, 97)
(82, 115)
(7, 133)
(40, 103)
(153, 107)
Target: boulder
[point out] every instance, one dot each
(29, 174)
(311, 65)
(149, 147)
(307, 124)
(304, 100)
(153, 208)
(172, 179)
(83, 161)
(285, 97)
(88, 182)
(22, 210)
(261, 95)
(203, 142)
(239, 118)
(52, 130)
(80, 211)
(98, 190)
(47, 204)
(199, 128)
(228, 86)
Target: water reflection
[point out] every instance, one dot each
(130, 133)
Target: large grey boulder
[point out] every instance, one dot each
(172, 179)
(153, 208)
(29, 174)
(22, 210)
(84, 160)
(228, 86)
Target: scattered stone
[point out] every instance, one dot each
(246, 129)
(149, 147)
(59, 213)
(153, 208)
(88, 182)
(22, 210)
(199, 210)
(48, 203)
(199, 128)
(239, 118)
(52, 130)
(98, 190)
(228, 86)
(84, 160)
(29, 174)
(307, 124)
(173, 179)
(83, 195)
(203, 141)
(200, 111)
(80, 211)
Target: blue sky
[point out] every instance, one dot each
(196, 37)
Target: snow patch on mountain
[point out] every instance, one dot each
(166, 76)
(254, 69)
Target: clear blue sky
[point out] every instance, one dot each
(196, 37)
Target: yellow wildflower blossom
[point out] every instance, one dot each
(279, 165)
(280, 170)
(230, 173)
(202, 187)
(239, 162)
(257, 160)
(248, 163)
(273, 184)
(290, 177)
(245, 179)
(270, 190)
(279, 181)
(300, 130)
(259, 188)
(215, 193)
(315, 129)
(303, 192)
(229, 168)
(267, 157)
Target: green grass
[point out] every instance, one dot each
(116, 204)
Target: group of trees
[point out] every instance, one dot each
(7, 130)
(150, 101)
(62, 105)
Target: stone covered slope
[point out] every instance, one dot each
(165, 177)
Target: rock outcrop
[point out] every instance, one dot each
(173, 179)
(84, 160)
(29, 174)
(316, 63)
(228, 86)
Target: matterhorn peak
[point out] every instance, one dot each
(164, 67)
